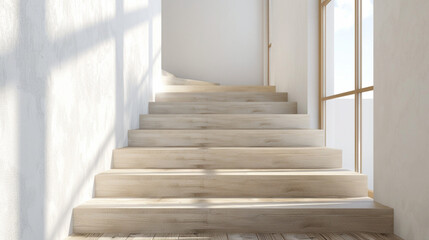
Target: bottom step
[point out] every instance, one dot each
(235, 236)
(190, 215)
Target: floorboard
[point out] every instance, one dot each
(239, 236)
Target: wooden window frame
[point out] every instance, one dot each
(358, 91)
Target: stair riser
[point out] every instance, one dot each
(212, 185)
(232, 220)
(245, 158)
(224, 121)
(223, 108)
(202, 88)
(225, 138)
(221, 97)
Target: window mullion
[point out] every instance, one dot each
(358, 85)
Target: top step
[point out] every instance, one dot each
(214, 88)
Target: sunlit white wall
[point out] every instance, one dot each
(74, 76)
(9, 26)
(9, 172)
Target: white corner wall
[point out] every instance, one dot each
(313, 62)
(401, 121)
(289, 51)
(223, 41)
(74, 76)
(295, 53)
(214, 40)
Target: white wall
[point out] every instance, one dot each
(401, 98)
(223, 41)
(289, 51)
(74, 76)
(214, 40)
(313, 62)
(295, 52)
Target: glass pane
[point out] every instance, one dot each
(340, 128)
(340, 46)
(368, 137)
(367, 43)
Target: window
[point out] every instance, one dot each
(346, 81)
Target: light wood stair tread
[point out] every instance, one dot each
(225, 138)
(243, 236)
(230, 183)
(233, 215)
(291, 150)
(233, 131)
(222, 97)
(250, 203)
(222, 108)
(225, 121)
(227, 158)
(232, 172)
(214, 88)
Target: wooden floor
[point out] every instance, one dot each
(246, 236)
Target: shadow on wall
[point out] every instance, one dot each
(35, 55)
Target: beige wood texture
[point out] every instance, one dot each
(232, 215)
(224, 121)
(89, 236)
(194, 236)
(242, 236)
(277, 236)
(113, 236)
(166, 236)
(227, 158)
(141, 236)
(295, 236)
(246, 183)
(226, 138)
(222, 108)
(264, 236)
(188, 236)
(316, 236)
(222, 97)
(195, 88)
(212, 236)
(253, 236)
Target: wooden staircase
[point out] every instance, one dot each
(211, 158)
